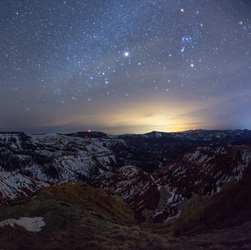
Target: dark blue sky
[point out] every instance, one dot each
(125, 66)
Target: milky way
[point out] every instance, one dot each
(125, 66)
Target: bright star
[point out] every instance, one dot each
(126, 54)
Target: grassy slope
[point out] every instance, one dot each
(77, 217)
(82, 217)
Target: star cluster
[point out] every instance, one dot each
(125, 66)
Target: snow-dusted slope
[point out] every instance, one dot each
(137, 187)
(203, 172)
(117, 164)
(15, 185)
(28, 163)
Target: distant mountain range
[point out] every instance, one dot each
(163, 177)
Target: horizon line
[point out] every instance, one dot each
(98, 131)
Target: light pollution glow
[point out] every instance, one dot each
(138, 116)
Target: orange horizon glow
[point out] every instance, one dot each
(137, 117)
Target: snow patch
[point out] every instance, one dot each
(176, 216)
(30, 224)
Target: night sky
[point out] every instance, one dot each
(125, 66)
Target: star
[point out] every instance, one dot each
(98, 59)
(182, 49)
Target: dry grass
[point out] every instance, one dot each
(81, 217)
(92, 199)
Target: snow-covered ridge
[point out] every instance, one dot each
(29, 163)
(119, 164)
